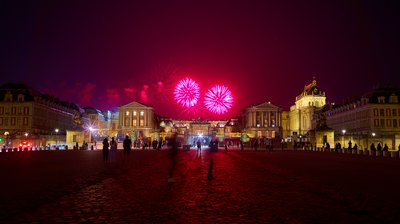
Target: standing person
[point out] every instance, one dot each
(173, 152)
(127, 145)
(113, 149)
(282, 143)
(379, 147)
(385, 148)
(255, 144)
(350, 146)
(198, 143)
(105, 149)
(372, 147)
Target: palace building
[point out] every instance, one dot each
(298, 121)
(263, 121)
(27, 115)
(373, 118)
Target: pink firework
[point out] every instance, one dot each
(218, 99)
(187, 92)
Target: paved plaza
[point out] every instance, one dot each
(249, 187)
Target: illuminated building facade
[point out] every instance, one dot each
(263, 121)
(373, 118)
(197, 129)
(26, 114)
(298, 121)
(136, 120)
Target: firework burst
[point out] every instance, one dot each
(218, 99)
(187, 92)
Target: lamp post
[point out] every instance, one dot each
(7, 134)
(344, 132)
(91, 129)
(56, 130)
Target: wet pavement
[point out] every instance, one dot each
(249, 187)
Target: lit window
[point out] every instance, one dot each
(20, 98)
(127, 113)
(376, 113)
(388, 112)
(141, 113)
(134, 113)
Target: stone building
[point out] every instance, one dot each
(137, 121)
(298, 121)
(263, 121)
(40, 119)
(372, 118)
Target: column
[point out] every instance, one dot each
(262, 118)
(254, 119)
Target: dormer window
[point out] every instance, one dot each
(8, 97)
(21, 98)
(381, 99)
(394, 99)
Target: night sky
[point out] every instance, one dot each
(105, 54)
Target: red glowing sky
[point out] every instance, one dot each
(108, 54)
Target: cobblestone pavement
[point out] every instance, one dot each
(249, 187)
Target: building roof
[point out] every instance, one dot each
(30, 95)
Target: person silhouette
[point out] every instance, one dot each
(213, 149)
(113, 149)
(198, 143)
(385, 148)
(379, 147)
(127, 145)
(105, 149)
(372, 147)
(172, 154)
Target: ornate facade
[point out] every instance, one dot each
(136, 120)
(298, 121)
(263, 120)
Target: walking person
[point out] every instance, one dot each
(213, 149)
(127, 145)
(172, 154)
(113, 149)
(105, 149)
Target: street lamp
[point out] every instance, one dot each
(56, 130)
(91, 129)
(6, 134)
(344, 132)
